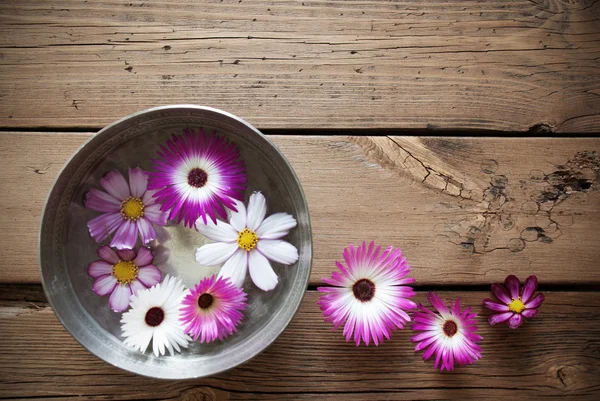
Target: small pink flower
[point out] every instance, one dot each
(122, 274)
(449, 333)
(515, 303)
(128, 209)
(212, 309)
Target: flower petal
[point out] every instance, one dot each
(535, 302)
(147, 232)
(238, 219)
(136, 286)
(119, 299)
(155, 215)
(276, 226)
(529, 288)
(515, 321)
(106, 253)
(126, 254)
(216, 253)
(104, 284)
(257, 209)
(278, 251)
(221, 231)
(236, 268)
(261, 272)
(530, 313)
(101, 201)
(500, 317)
(513, 286)
(115, 184)
(149, 275)
(126, 235)
(99, 268)
(104, 225)
(495, 306)
(501, 293)
(144, 257)
(138, 182)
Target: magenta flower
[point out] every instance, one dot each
(370, 296)
(128, 209)
(449, 334)
(198, 175)
(212, 309)
(122, 274)
(515, 303)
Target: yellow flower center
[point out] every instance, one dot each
(132, 208)
(516, 306)
(125, 272)
(247, 239)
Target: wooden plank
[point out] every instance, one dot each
(550, 356)
(464, 210)
(504, 65)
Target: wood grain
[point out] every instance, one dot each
(464, 210)
(554, 355)
(508, 65)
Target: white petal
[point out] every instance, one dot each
(221, 231)
(236, 267)
(278, 251)
(238, 219)
(261, 271)
(276, 226)
(215, 254)
(257, 209)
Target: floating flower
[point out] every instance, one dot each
(212, 309)
(154, 316)
(121, 274)
(370, 295)
(249, 240)
(198, 175)
(449, 334)
(128, 209)
(515, 303)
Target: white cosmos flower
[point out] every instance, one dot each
(248, 242)
(154, 316)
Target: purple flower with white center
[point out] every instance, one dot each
(212, 309)
(449, 333)
(128, 209)
(515, 303)
(248, 242)
(122, 274)
(370, 295)
(198, 175)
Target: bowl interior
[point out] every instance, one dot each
(67, 249)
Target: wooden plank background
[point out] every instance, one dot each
(508, 65)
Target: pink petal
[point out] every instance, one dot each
(119, 299)
(99, 268)
(513, 286)
(126, 235)
(529, 288)
(136, 286)
(138, 182)
(515, 321)
(144, 257)
(104, 225)
(501, 293)
(108, 254)
(500, 317)
(115, 184)
(101, 201)
(495, 306)
(126, 254)
(155, 215)
(147, 232)
(530, 313)
(104, 284)
(149, 275)
(535, 302)
(261, 272)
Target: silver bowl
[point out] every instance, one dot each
(66, 248)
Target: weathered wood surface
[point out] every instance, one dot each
(509, 65)
(464, 210)
(554, 355)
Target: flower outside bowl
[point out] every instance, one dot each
(66, 248)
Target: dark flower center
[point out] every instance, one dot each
(364, 290)
(205, 301)
(450, 328)
(197, 178)
(155, 316)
